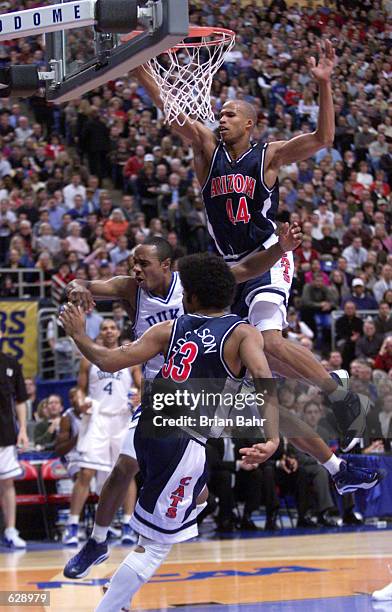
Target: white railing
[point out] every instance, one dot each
(24, 282)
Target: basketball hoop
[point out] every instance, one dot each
(184, 73)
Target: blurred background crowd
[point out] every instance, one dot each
(81, 184)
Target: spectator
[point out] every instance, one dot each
(328, 245)
(369, 344)
(305, 254)
(355, 255)
(383, 360)
(297, 329)
(339, 287)
(73, 188)
(317, 303)
(115, 226)
(46, 430)
(385, 282)
(76, 243)
(348, 331)
(383, 321)
(68, 431)
(335, 360)
(120, 252)
(360, 298)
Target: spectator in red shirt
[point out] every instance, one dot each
(306, 254)
(135, 163)
(383, 360)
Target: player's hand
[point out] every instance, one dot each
(22, 440)
(290, 237)
(73, 320)
(81, 296)
(259, 453)
(323, 69)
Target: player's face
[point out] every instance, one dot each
(149, 271)
(109, 333)
(233, 124)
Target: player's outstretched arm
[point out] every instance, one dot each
(290, 238)
(202, 138)
(82, 293)
(153, 342)
(302, 147)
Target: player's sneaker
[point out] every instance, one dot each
(384, 594)
(128, 536)
(70, 535)
(12, 539)
(113, 533)
(351, 477)
(350, 413)
(92, 553)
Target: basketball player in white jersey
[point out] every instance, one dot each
(240, 188)
(102, 432)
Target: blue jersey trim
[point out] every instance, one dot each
(267, 290)
(222, 345)
(138, 293)
(211, 166)
(160, 529)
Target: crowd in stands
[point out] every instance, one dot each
(81, 184)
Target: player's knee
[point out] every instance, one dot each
(125, 469)
(6, 485)
(147, 557)
(273, 341)
(85, 476)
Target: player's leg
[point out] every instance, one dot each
(80, 493)
(346, 476)
(167, 508)
(112, 496)
(8, 505)
(118, 442)
(128, 537)
(350, 409)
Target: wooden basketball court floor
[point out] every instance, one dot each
(324, 572)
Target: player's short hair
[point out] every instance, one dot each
(209, 278)
(162, 246)
(248, 110)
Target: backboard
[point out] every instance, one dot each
(85, 58)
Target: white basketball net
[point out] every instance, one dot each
(185, 84)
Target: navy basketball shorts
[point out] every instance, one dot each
(174, 474)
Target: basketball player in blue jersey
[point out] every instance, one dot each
(154, 294)
(153, 276)
(239, 181)
(173, 463)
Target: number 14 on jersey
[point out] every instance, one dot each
(242, 215)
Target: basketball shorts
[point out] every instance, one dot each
(128, 443)
(264, 300)
(174, 472)
(99, 443)
(9, 465)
